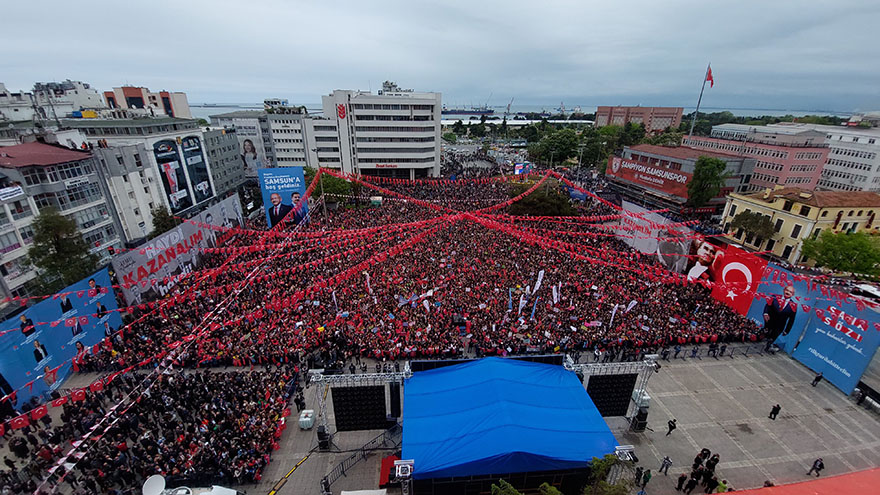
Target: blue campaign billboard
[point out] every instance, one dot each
(282, 189)
(827, 330)
(52, 332)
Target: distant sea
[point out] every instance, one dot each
(204, 112)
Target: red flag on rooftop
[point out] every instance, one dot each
(710, 78)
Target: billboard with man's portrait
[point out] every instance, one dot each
(282, 189)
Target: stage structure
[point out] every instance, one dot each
(392, 381)
(617, 385)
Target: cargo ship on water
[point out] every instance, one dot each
(483, 110)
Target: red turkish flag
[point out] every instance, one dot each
(39, 412)
(97, 386)
(19, 422)
(60, 402)
(710, 78)
(78, 395)
(738, 273)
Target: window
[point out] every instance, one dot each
(816, 233)
(786, 252)
(779, 223)
(8, 242)
(119, 160)
(859, 213)
(805, 210)
(787, 206)
(20, 209)
(825, 213)
(27, 234)
(732, 210)
(796, 231)
(770, 244)
(137, 160)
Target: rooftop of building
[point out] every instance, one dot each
(839, 129)
(820, 199)
(787, 130)
(681, 152)
(640, 106)
(241, 114)
(30, 154)
(145, 121)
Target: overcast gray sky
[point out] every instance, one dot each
(789, 54)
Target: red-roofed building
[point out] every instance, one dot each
(658, 175)
(35, 176)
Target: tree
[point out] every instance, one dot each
(477, 130)
(598, 482)
(546, 201)
(556, 146)
(632, 134)
(845, 252)
(59, 251)
(450, 137)
(753, 223)
(709, 177)
(505, 488)
(669, 137)
(203, 123)
(163, 221)
(458, 128)
(332, 185)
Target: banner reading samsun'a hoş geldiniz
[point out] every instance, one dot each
(152, 270)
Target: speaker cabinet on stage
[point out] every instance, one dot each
(640, 422)
(394, 389)
(323, 438)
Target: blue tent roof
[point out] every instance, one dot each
(496, 416)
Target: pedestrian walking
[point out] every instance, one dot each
(664, 465)
(774, 411)
(671, 425)
(639, 472)
(817, 379)
(677, 350)
(694, 352)
(646, 478)
(818, 465)
(691, 484)
(682, 479)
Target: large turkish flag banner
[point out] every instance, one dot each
(737, 278)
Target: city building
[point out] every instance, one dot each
(853, 162)
(224, 153)
(658, 176)
(786, 156)
(49, 101)
(798, 213)
(254, 136)
(181, 177)
(167, 103)
(288, 127)
(655, 119)
(394, 133)
(36, 176)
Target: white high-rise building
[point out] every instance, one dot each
(395, 133)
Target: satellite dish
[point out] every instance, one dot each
(154, 485)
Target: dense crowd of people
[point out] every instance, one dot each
(465, 281)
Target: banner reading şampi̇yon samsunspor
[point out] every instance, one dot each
(153, 270)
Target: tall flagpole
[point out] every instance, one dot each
(697, 111)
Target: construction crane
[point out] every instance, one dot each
(507, 112)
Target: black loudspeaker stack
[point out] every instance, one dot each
(394, 389)
(640, 422)
(323, 438)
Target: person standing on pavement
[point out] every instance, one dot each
(671, 425)
(722, 487)
(691, 484)
(638, 476)
(774, 411)
(818, 465)
(712, 484)
(664, 465)
(682, 479)
(817, 379)
(646, 478)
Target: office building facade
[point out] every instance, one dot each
(655, 119)
(788, 157)
(162, 103)
(224, 154)
(36, 176)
